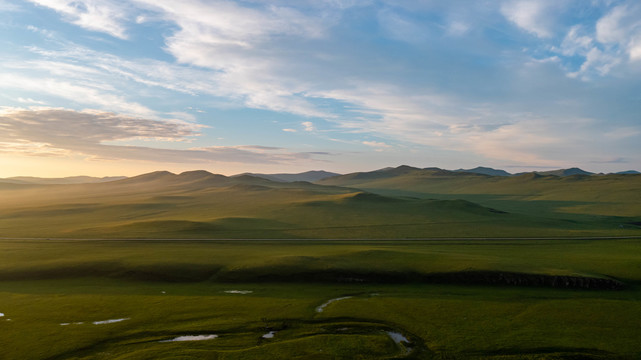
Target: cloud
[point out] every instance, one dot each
(62, 132)
(621, 28)
(244, 46)
(28, 148)
(471, 94)
(376, 144)
(533, 16)
(96, 15)
(6, 6)
(78, 91)
(30, 101)
(576, 42)
(592, 47)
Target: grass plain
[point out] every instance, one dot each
(167, 289)
(464, 266)
(400, 203)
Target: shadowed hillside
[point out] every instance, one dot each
(529, 193)
(402, 202)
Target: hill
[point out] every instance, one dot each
(562, 172)
(310, 176)
(486, 171)
(536, 193)
(402, 202)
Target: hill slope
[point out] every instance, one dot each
(486, 171)
(310, 176)
(402, 202)
(529, 193)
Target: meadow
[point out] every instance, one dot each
(395, 263)
(393, 204)
(57, 297)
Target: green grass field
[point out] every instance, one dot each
(406, 204)
(168, 289)
(424, 264)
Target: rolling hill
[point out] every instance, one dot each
(529, 193)
(310, 176)
(486, 171)
(402, 202)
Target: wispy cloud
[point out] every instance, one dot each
(62, 132)
(6, 6)
(533, 16)
(508, 80)
(83, 92)
(377, 144)
(96, 15)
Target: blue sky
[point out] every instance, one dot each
(125, 87)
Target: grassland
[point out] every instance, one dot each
(167, 289)
(116, 270)
(400, 203)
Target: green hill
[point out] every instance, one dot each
(403, 202)
(534, 194)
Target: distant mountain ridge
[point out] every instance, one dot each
(307, 176)
(486, 171)
(60, 181)
(310, 176)
(566, 172)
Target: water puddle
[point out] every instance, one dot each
(269, 335)
(192, 338)
(400, 340)
(243, 292)
(322, 307)
(110, 321)
(397, 337)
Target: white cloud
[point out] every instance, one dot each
(274, 55)
(377, 144)
(28, 148)
(243, 46)
(95, 15)
(533, 16)
(75, 92)
(635, 49)
(576, 42)
(458, 28)
(611, 27)
(614, 42)
(30, 101)
(600, 61)
(6, 6)
(621, 28)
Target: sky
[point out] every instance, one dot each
(115, 87)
